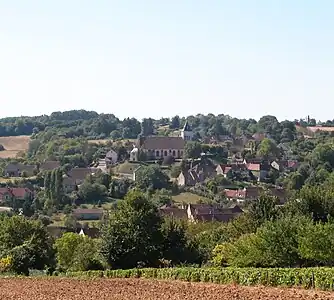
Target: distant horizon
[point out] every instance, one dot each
(157, 118)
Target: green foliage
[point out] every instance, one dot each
(27, 242)
(275, 244)
(263, 208)
(92, 192)
(319, 278)
(192, 150)
(78, 253)
(316, 243)
(268, 148)
(151, 177)
(177, 247)
(133, 235)
(175, 122)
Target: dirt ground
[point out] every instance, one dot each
(134, 289)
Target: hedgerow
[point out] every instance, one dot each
(320, 278)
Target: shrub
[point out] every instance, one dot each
(5, 264)
(320, 278)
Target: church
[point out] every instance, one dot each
(159, 147)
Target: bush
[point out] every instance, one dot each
(5, 264)
(320, 278)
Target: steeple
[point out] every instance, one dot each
(186, 132)
(186, 126)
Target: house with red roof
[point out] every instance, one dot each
(253, 192)
(18, 193)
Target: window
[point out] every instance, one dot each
(165, 153)
(174, 153)
(157, 153)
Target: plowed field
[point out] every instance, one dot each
(134, 289)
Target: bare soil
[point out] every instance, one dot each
(134, 289)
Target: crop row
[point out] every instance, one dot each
(320, 278)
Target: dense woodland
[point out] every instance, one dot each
(80, 123)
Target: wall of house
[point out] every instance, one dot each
(187, 135)
(161, 153)
(181, 180)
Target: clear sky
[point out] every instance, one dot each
(245, 58)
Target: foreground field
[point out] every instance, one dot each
(13, 145)
(133, 289)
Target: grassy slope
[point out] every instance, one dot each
(189, 198)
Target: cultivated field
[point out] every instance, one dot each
(135, 289)
(13, 145)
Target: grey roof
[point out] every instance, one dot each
(49, 165)
(88, 211)
(80, 173)
(163, 142)
(186, 127)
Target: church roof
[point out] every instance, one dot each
(186, 127)
(163, 142)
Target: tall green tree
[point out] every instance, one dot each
(132, 236)
(147, 127)
(175, 122)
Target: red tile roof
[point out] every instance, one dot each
(15, 192)
(254, 167)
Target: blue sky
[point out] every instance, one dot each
(245, 58)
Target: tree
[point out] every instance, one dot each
(294, 181)
(59, 190)
(27, 242)
(279, 242)
(162, 197)
(147, 127)
(314, 201)
(78, 253)
(268, 148)
(175, 123)
(115, 134)
(192, 150)
(92, 192)
(316, 243)
(263, 208)
(71, 222)
(28, 206)
(151, 177)
(177, 247)
(132, 235)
